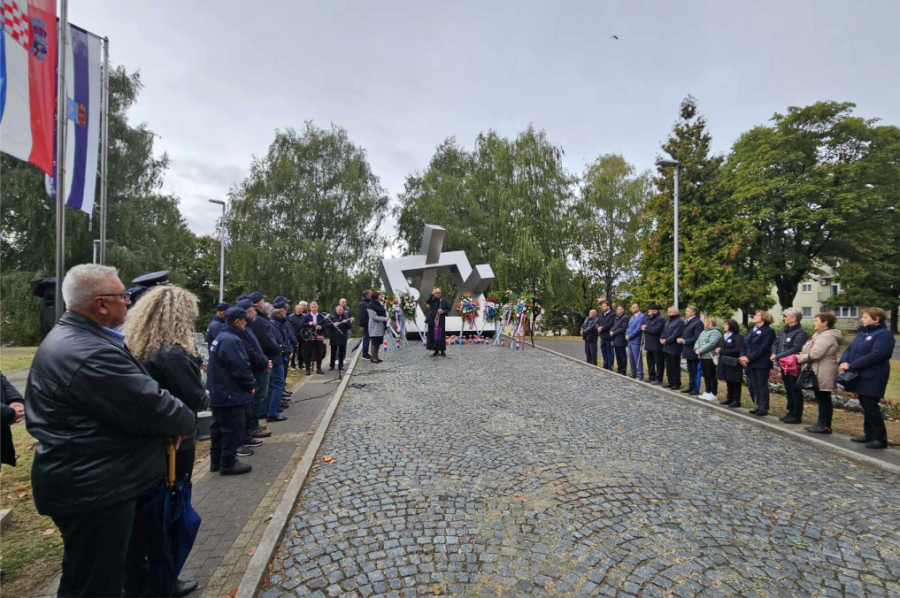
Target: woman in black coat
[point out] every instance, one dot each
(729, 350)
(757, 357)
(13, 411)
(340, 332)
(159, 331)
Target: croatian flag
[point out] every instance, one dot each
(28, 81)
(83, 82)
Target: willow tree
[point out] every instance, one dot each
(307, 217)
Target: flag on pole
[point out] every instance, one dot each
(83, 98)
(28, 81)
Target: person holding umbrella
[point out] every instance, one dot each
(231, 385)
(100, 422)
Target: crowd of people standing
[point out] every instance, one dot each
(713, 353)
(119, 377)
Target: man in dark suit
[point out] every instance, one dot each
(589, 334)
(604, 326)
(671, 349)
(653, 329)
(620, 343)
(693, 326)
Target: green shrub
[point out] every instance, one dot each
(20, 311)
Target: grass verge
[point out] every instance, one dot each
(31, 551)
(16, 358)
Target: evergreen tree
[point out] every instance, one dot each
(713, 244)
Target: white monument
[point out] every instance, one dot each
(423, 270)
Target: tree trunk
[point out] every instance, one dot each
(894, 314)
(787, 290)
(745, 316)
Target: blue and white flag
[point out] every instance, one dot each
(83, 97)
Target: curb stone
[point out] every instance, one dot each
(268, 544)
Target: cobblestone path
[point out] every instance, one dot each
(508, 474)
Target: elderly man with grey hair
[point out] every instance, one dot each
(101, 423)
(790, 341)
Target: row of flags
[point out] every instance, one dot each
(28, 82)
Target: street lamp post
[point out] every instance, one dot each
(222, 255)
(667, 163)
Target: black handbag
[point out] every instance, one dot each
(728, 360)
(808, 379)
(847, 380)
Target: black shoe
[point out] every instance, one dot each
(633, 377)
(792, 420)
(725, 402)
(443, 354)
(213, 467)
(733, 405)
(688, 391)
(754, 411)
(435, 354)
(675, 388)
(876, 444)
(244, 451)
(640, 379)
(286, 393)
(237, 469)
(277, 418)
(818, 429)
(183, 588)
(253, 442)
(285, 406)
(782, 418)
(319, 371)
(309, 372)
(655, 383)
(330, 367)
(761, 413)
(260, 434)
(860, 439)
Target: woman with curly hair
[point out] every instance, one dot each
(159, 331)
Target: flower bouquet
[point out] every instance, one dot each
(468, 309)
(521, 309)
(408, 305)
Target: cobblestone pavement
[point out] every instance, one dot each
(516, 474)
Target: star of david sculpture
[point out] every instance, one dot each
(423, 269)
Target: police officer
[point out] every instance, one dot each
(260, 365)
(216, 323)
(231, 385)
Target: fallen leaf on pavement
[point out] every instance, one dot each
(233, 592)
(48, 532)
(251, 552)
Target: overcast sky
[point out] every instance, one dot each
(221, 76)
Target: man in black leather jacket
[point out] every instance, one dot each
(101, 423)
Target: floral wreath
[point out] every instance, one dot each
(468, 309)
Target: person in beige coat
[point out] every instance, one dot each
(821, 350)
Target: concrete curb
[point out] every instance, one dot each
(268, 544)
(790, 434)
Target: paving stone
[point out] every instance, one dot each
(513, 474)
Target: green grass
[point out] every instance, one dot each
(16, 358)
(27, 556)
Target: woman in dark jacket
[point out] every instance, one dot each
(869, 356)
(13, 411)
(340, 331)
(756, 355)
(729, 350)
(790, 341)
(159, 331)
(620, 343)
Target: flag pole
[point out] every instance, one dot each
(104, 150)
(61, 159)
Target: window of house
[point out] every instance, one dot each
(807, 312)
(835, 289)
(807, 287)
(846, 312)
